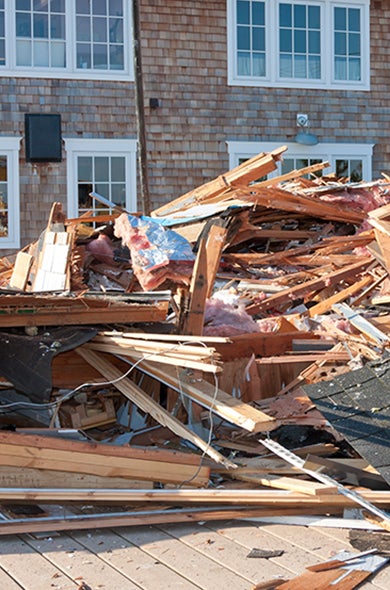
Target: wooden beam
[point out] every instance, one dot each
(44, 452)
(211, 397)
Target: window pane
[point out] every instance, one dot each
(99, 7)
(356, 170)
(100, 57)
(314, 67)
(354, 69)
(258, 13)
(300, 67)
(259, 64)
(300, 16)
(117, 58)
(41, 26)
(314, 42)
(83, 25)
(41, 53)
(342, 168)
(243, 13)
(102, 171)
(118, 194)
(115, 7)
(340, 19)
(258, 39)
(243, 64)
(23, 53)
(243, 41)
(300, 41)
(285, 40)
(83, 6)
(40, 5)
(354, 44)
(340, 68)
(23, 4)
(84, 168)
(118, 169)
(340, 44)
(57, 27)
(354, 19)
(314, 17)
(286, 66)
(23, 24)
(116, 30)
(58, 56)
(99, 29)
(285, 15)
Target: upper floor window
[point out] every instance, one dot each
(58, 38)
(9, 192)
(317, 44)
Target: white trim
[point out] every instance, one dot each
(91, 147)
(271, 79)
(70, 71)
(329, 152)
(9, 147)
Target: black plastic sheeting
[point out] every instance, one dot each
(25, 361)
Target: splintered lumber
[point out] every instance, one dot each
(292, 293)
(147, 404)
(362, 324)
(211, 397)
(275, 499)
(42, 452)
(193, 319)
(326, 305)
(195, 357)
(34, 310)
(221, 187)
(278, 198)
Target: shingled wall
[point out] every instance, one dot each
(185, 66)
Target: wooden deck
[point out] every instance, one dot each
(207, 556)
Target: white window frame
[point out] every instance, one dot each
(71, 71)
(327, 80)
(9, 147)
(328, 152)
(126, 148)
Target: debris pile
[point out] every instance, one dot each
(144, 358)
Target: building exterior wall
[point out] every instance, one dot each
(184, 55)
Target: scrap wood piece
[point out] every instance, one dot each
(300, 464)
(383, 240)
(292, 175)
(212, 397)
(289, 295)
(362, 324)
(332, 245)
(280, 198)
(339, 296)
(147, 404)
(43, 452)
(193, 316)
(275, 499)
(21, 271)
(177, 356)
(345, 577)
(293, 484)
(34, 310)
(133, 518)
(220, 187)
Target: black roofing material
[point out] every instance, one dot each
(357, 404)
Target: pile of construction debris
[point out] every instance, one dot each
(200, 347)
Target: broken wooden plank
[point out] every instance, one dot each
(21, 271)
(211, 397)
(44, 452)
(362, 324)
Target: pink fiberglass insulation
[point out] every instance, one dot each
(157, 254)
(101, 249)
(227, 319)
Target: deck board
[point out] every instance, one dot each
(207, 556)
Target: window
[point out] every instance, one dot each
(317, 44)
(9, 192)
(105, 166)
(349, 160)
(62, 38)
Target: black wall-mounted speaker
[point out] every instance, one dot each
(43, 137)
